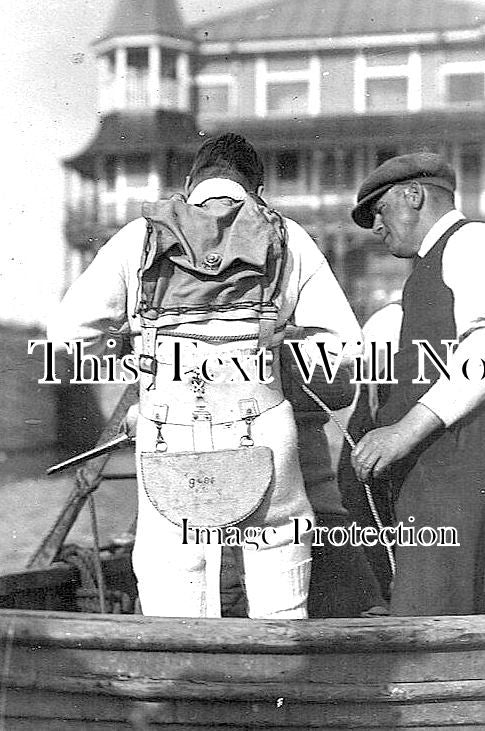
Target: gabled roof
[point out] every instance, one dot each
(146, 17)
(282, 19)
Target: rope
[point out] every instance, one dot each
(370, 500)
(97, 554)
(212, 338)
(208, 338)
(87, 595)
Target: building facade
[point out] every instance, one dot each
(325, 89)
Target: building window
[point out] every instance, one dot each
(110, 58)
(216, 94)
(338, 169)
(213, 99)
(386, 94)
(392, 86)
(287, 99)
(168, 64)
(110, 214)
(137, 170)
(328, 170)
(287, 166)
(470, 164)
(137, 77)
(111, 168)
(348, 172)
(287, 87)
(178, 165)
(137, 58)
(288, 173)
(463, 88)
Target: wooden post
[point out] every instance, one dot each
(87, 480)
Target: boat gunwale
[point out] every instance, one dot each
(241, 636)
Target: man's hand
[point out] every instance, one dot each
(379, 448)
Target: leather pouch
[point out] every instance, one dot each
(210, 489)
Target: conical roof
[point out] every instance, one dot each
(146, 17)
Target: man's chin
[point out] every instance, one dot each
(400, 254)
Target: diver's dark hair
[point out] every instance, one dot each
(228, 156)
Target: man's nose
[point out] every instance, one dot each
(377, 226)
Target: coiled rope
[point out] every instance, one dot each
(87, 595)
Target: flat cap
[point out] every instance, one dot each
(424, 166)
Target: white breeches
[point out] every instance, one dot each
(177, 580)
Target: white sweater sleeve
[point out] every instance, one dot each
(96, 304)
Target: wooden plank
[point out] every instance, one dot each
(198, 667)
(303, 691)
(270, 714)
(244, 716)
(75, 707)
(39, 724)
(154, 634)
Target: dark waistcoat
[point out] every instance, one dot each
(427, 315)
(454, 456)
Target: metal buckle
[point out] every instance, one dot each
(248, 408)
(201, 413)
(147, 364)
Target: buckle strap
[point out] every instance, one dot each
(249, 409)
(147, 359)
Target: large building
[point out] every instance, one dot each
(325, 89)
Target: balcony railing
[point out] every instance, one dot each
(137, 92)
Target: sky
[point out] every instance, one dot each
(48, 96)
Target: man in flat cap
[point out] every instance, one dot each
(431, 434)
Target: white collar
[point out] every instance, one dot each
(438, 229)
(216, 188)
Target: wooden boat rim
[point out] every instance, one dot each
(243, 636)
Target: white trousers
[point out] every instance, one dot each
(177, 580)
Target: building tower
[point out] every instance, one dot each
(147, 130)
(324, 89)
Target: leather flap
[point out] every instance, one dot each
(209, 489)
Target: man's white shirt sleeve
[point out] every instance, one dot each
(463, 266)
